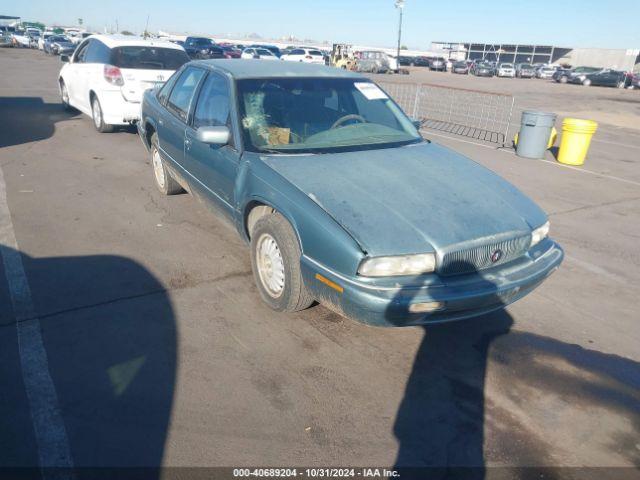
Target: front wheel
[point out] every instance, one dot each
(275, 261)
(586, 82)
(98, 117)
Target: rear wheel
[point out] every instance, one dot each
(563, 79)
(164, 181)
(98, 117)
(275, 261)
(621, 84)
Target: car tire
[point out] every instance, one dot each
(98, 117)
(163, 179)
(563, 80)
(275, 261)
(621, 84)
(64, 96)
(586, 82)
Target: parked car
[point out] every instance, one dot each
(566, 75)
(460, 67)
(305, 55)
(383, 227)
(58, 45)
(202, 48)
(604, 78)
(483, 69)
(258, 54)
(406, 61)
(420, 61)
(107, 75)
(506, 70)
(230, 51)
(634, 80)
(373, 61)
(21, 39)
(272, 48)
(545, 71)
(43, 38)
(438, 64)
(525, 70)
(6, 40)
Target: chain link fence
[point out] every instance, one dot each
(470, 113)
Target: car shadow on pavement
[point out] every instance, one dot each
(440, 424)
(29, 119)
(109, 332)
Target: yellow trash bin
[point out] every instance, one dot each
(576, 138)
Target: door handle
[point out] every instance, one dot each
(187, 143)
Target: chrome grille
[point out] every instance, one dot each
(471, 258)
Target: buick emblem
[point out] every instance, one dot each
(495, 256)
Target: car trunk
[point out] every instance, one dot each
(136, 81)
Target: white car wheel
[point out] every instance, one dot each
(158, 168)
(270, 265)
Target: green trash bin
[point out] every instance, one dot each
(535, 130)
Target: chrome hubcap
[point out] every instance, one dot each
(270, 265)
(97, 114)
(65, 94)
(158, 168)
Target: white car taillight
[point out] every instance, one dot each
(113, 75)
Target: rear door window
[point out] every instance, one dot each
(148, 58)
(182, 93)
(97, 52)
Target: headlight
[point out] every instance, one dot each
(539, 234)
(400, 265)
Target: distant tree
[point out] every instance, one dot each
(403, 47)
(127, 32)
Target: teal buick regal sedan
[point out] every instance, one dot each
(340, 198)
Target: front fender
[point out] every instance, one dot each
(321, 238)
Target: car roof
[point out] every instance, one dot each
(117, 40)
(240, 69)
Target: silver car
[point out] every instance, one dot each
(373, 61)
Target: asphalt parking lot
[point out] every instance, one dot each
(160, 351)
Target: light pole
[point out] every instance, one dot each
(399, 5)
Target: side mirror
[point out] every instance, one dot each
(213, 135)
(417, 122)
(64, 58)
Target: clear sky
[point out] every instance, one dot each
(572, 23)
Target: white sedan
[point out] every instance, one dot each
(106, 76)
(258, 53)
(305, 55)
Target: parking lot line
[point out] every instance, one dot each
(551, 162)
(49, 429)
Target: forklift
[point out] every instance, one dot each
(342, 56)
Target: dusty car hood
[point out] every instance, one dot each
(417, 198)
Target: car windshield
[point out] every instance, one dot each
(59, 38)
(202, 41)
(148, 58)
(320, 115)
(524, 65)
(507, 65)
(263, 51)
(315, 52)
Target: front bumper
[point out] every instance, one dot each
(462, 296)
